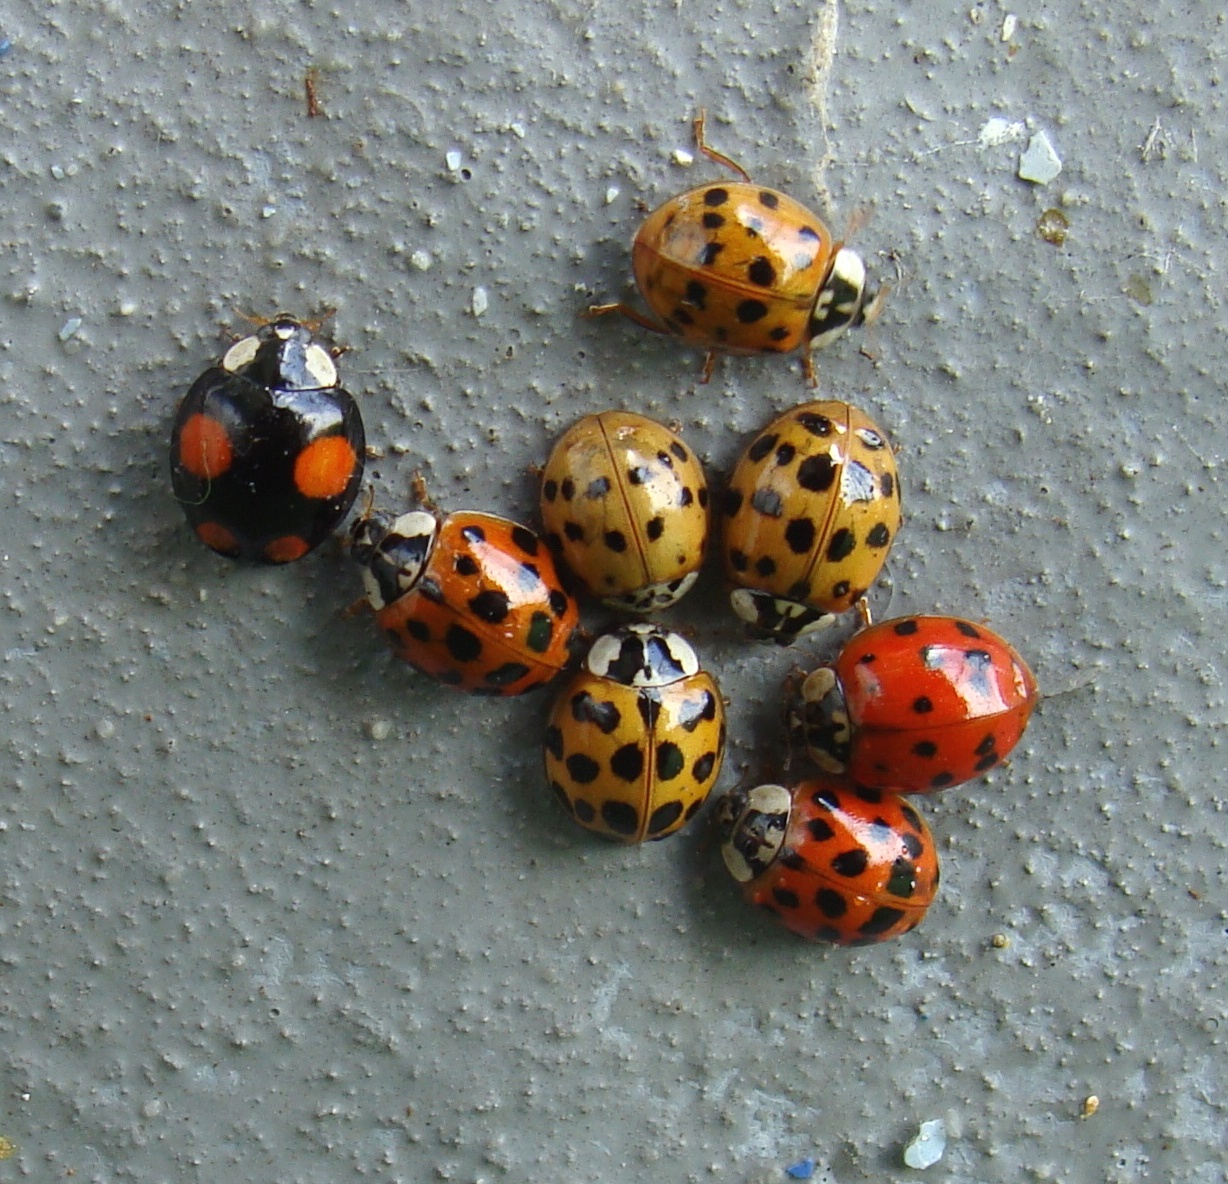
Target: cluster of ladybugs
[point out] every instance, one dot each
(267, 458)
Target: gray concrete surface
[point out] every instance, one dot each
(272, 909)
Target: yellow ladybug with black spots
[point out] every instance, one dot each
(809, 516)
(742, 269)
(635, 741)
(624, 504)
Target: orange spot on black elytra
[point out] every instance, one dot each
(286, 549)
(324, 468)
(217, 538)
(204, 447)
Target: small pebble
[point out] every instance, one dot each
(379, 729)
(1040, 164)
(453, 159)
(802, 1170)
(421, 260)
(69, 328)
(5, 46)
(926, 1149)
(611, 194)
(683, 157)
(1009, 24)
(480, 301)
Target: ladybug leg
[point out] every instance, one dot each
(809, 373)
(711, 153)
(417, 485)
(632, 314)
(862, 609)
(709, 365)
(357, 608)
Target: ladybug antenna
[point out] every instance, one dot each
(711, 153)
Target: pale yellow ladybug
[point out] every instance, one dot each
(635, 741)
(624, 503)
(739, 268)
(808, 517)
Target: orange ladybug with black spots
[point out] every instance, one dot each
(267, 448)
(624, 504)
(738, 268)
(809, 515)
(830, 860)
(472, 600)
(636, 739)
(916, 704)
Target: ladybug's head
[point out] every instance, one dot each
(392, 551)
(819, 720)
(846, 300)
(282, 356)
(752, 826)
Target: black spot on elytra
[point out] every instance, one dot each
(615, 540)
(466, 565)
(663, 817)
(685, 496)
(922, 705)
(769, 199)
(701, 770)
(785, 898)
(540, 632)
(738, 559)
(761, 272)
(887, 484)
(843, 543)
(808, 232)
(654, 529)
(713, 221)
(925, 748)
(568, 489)
(830, 903)
(785, 454)
(879, 535)
(583, 769)
(850, 863)
(716, 197)
(584, 811)
(820, 829)
(750, 311)
(679, 451)
(800, 536)
(761, 447)
(882, 920)
(574, 531)
(491, 605)
(473, 534)
(779, 333)
(559, 604)
(816, 473)
(816, 425)
(639, 474)
(696, 293)
(905, 628)
(505, 675)
(418, 630)
(731, 503)
(621, 817)
(627, 763)
(707, 256)
(550, 490)
(967, 629)
(683, 317)
(670, 760)
(461, 644)
(554, 742)
(587, 709)
(526, 540)
(765, 566)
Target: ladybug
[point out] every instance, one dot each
(832, 861)
(624, 503)
(809, 515)
(636, 739)
(267, 449)
(916, 704)
(741, 269)
(470, 599)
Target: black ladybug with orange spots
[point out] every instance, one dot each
(267, 448)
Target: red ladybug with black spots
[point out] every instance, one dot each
(916, 704)
(267, 448)
(832, 861)
(470, 599)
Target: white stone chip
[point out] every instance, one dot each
(683, 157)
(926, 1149)
(69, 328)
(1040, 164)
(1000, 131)
(481, 302)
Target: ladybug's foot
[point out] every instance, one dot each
(809, 373)
(862, 609)
(709, 365)
(417, 485)
(711, 153)
(632, 314)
